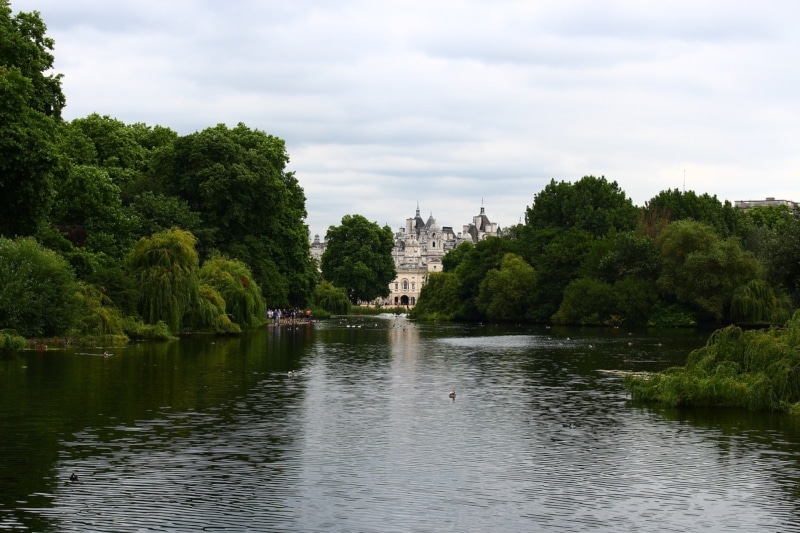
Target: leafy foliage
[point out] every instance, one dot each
(332, 299)
(358, 258)
(234, 283)
(439, 298)
(29, 161)
(11, 341)
(757, 303)
(674, 205)
(783, 259)
(38, 293)
(700, 269)
(208, 313)
(756, 370)
(590, 204)
(99, 317)
(504, 293)
(236, 180)
(26, 48)
(165, 267)
(477, 262)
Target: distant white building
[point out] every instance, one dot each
(768, 202)
(418, 250)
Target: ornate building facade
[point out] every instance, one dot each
(418, 250)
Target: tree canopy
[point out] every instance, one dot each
(236, 180)
(590, 204)
(358, 258)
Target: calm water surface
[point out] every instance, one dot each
(209, 434)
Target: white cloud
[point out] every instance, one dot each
(386, 104)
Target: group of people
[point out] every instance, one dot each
(294, 315)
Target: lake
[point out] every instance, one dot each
(214, 434)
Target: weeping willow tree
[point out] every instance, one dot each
(165, 269)
(99, 317)
(332, 299)
(757, 370)
(234, 282)
(208, 314)
(758, 303)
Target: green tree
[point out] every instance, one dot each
(758, 303)
(454, 257)
(111, 145)
(674, 205)
(332, 299)
(590, 204)
(165, 268)
(30, 109)
(234, 282)
(701, 269)
(482, 257)
(38, 291)
(558, 263)
(627, 255)
(358, 258)
(89, 202)
(783, 259)
(505, 292)
(25, 47)
(29, 161)
(160, 212)
(586, 301)
(208, 313)
(236, 179)
(439, 299)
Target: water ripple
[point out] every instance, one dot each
(365, 438)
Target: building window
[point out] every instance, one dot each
(433, 244)
(413, 285)
(413, 301)
(395, 286)
(405, 285)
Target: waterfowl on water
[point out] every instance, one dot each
(73, 477)
(290, 373)
(452, 394)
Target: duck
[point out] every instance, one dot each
(290, 373)
(452, 395)
(73, 477)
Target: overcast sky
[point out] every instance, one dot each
(386, 104)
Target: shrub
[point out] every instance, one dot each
(38, 291)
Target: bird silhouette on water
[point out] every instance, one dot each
(73, 477)
(452, 395)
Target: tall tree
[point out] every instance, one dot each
(700, 269)
(24, 46)
(783, 263)
(30, 108)
(358, 258)
(505, 292)
(591, 204)
(478, 260)
(29, 161)
(236, 179)
(674, 204)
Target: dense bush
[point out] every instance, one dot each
(38, 293)
(755, 369)
(11, 341)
